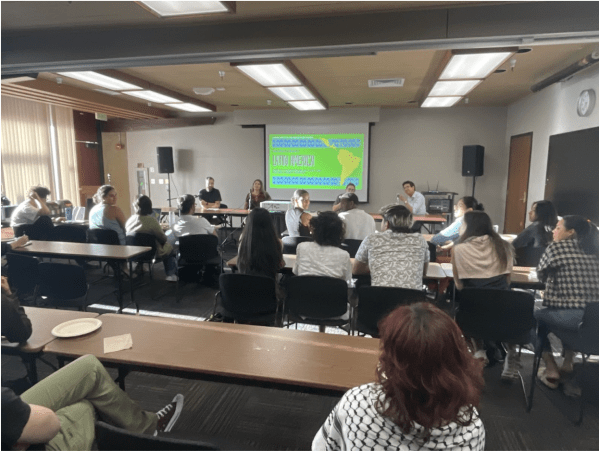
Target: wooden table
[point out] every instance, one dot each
(521, 275)
(105, 252)
(43, 320)
(243, 354)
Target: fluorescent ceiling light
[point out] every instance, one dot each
(101, 80)
(188, 107)
(153, 96)
(293, 93)
(185, 8)
(453, 88)
(270, 74)
(307, 105)
(474, 65)
(437, 102)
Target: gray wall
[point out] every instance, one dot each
(417, 144)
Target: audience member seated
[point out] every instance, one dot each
(426, 392)
(396, 257)
(105, 214)
(323, 256)
(296, 219)
(570, 269)
(60, 411)
(449, 235)
(16, 327)
(257, 195)
(260, 250)
(350, 188)
(358, 223)
(143, 222)
(482, 259)
(33, 211)
(539, 234)
(188, 224)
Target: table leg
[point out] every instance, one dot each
(123, 372)
(31, 364)
(131, 285)
(117, 274)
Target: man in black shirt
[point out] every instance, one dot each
(210, 197)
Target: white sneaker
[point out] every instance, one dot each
(511, 365)
(172, 278)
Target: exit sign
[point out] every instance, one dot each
(101, 117)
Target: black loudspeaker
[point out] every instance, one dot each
(165, 160)
(473, 158)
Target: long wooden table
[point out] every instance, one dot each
(243, 354)
(105, 252)
(43, 320)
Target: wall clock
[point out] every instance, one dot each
(586, 102)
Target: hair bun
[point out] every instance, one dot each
(480, 207)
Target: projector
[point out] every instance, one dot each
(274, 205)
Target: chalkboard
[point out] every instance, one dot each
(572, 182)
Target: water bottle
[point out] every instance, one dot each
(68, 213)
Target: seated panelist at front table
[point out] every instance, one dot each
(257, 196)
(358, 223)
(350, 188)
(296, 219)
(413, 200)
(210, 196)
(105, 214)
(188, 224)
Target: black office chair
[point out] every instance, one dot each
(23, 275)
(63, 284)
(69, 233)
(104, 236)
(584, 340)
(290, 243)
(40, 230)
(249, 299)
(497, 316)
(317, 300)
(195, 252)
(351, 246)
(143, 239)
(112, 438)
(432, 249)
(529, 256)
(374, 303)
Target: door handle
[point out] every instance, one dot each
(524, 197)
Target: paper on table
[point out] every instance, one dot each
(117, 343)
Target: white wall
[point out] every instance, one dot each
(551, 111)
(416, 144)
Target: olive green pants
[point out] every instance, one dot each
(75, 392)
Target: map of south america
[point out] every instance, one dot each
(349, 163)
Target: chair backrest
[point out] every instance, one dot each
(198, 248)
(351, 246)
(589, 329)
(316, 297)
(290, 243)
(377, 302)
(142, 239)
(497, 315)
(22, 272)
(62, 282)
(246, 294)
(529, 256)
(69, 233)
(432, 249)
(102, 236)
(113, 438)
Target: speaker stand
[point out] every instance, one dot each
(169, 189)
(473, 184)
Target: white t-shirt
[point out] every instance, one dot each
(25, 213)
(313, 259)
(192, 225)
(358, 224)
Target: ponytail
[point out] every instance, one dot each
(471, 202)
(587, 234)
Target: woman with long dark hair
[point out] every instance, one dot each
(255, 196)
(543, 217)
(426, 394)
(260, 250)
(570, 269)
(450, 234)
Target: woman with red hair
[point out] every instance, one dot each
(428, 386)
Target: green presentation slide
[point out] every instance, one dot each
(316, 161)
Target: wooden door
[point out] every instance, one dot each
(517, 183)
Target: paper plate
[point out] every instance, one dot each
(76, 327)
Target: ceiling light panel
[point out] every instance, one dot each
(440, 102)
(185, 8)
(270, 74)
(188, 107)
(293, 93)
(98, 79)
(475, 65)
(152, 96)
(453, 88)
(307, 105)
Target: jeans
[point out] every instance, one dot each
(549, 319)
(170, 265)
(75, 392)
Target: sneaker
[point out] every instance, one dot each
(511, 365)
(481, 355)
(172, 278)
(168, 416)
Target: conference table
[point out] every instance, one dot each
(43, 320)
(103, 252)
(230, 353)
